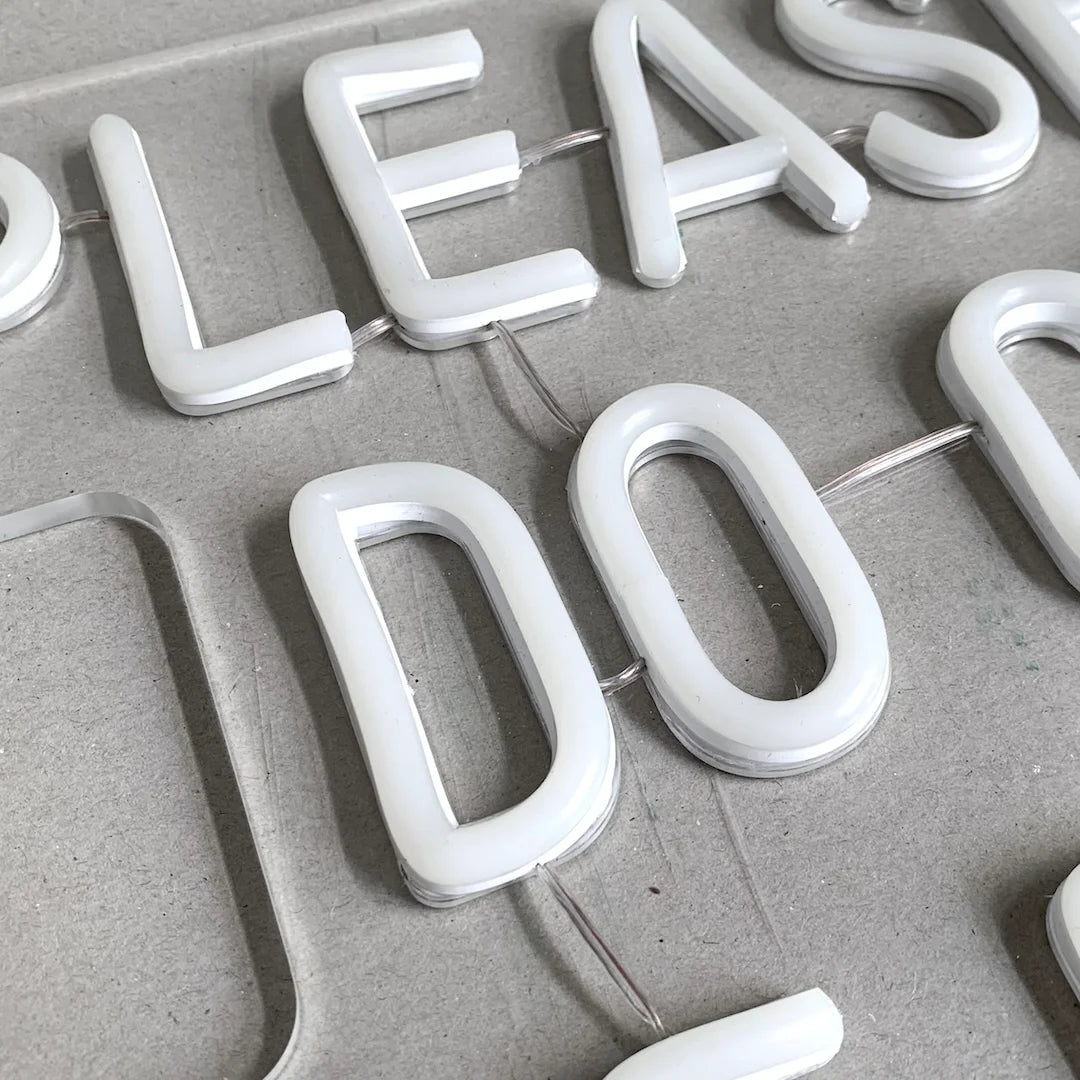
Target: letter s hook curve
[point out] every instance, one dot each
(906, 155)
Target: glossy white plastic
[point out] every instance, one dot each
(903, 153)
(453, 174)
(377, 196)
(31, 252)
(443, 861)
(713, 718)
(194, 379)
(1048, 32)
(1013, 433)
(784, 1039)
(781, 153)
(1063, 928)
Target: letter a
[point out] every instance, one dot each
(779, 153)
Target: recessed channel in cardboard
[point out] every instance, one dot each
(141, 940)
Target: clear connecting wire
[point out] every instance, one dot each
(625, 678)
(604, 953)
(376, 328)
(848, 138)
(560, 144)
(77, 220)
(370, 331)
(934, 443)
(525, 366)
(845, 138)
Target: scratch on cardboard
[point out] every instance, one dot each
(727, 815)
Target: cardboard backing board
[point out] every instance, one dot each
(909, 880)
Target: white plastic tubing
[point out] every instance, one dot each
(1047, 32)
(194, 379)
(445, 861)
(1063, 928)
(377, 196)
(1012, 431)
(31, 252)
(780, 153)
(903, 153)
(773, 151)
(779, 1041)
(713, 718)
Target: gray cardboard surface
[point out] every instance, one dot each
(909, 880)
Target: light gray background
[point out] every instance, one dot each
(909, 880)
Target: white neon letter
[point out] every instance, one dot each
(1013, 433)
(377, 196)
(31, 251)
(1048, 32)
(1063, 928)
(445, 862)
(780, 153)
(784, 1039)
(905, 154)
(713, 718)
(194, 379)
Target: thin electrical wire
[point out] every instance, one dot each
(847, 138)
(560, 144)
(370, 331)
(81, 218)
(628, 675)
(525, 366)
(604, 953)
(934, 443)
